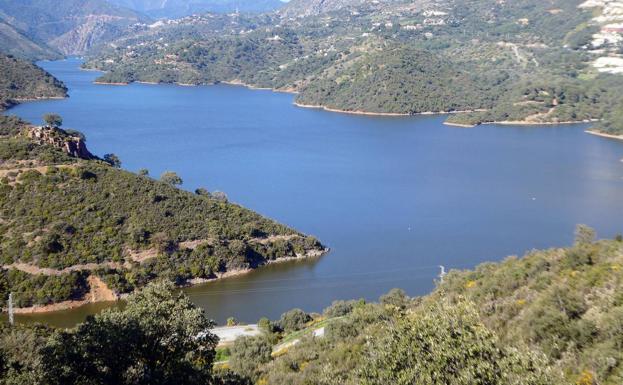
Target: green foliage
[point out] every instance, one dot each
(23, 80)
(395, 297)
(247, 353)
(293, 320)
(169, 177)
(505, 61)
(21, 358)
(113, 160)
(558, 301)
(136, 229)
(446, 343)
(341, 308)
(53, 120)
(231, 321)
(29, 289)
(160, 337)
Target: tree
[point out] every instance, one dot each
(584, 235)
(53, 120)
(202, 192)
(265, 325)
(162, 242)
(248, 353)
(293, 320)
(171, 178)
(143, 172)
(231, 321)
(446, 343)
(395, 297)
(20, 354)
(112, 160)
(161, 337)
(220, 196)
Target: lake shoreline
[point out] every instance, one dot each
(368, 113)
(365, 113)
(604, 135)
(74, 304)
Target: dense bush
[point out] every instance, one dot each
(293, 320)
(160, 337)
(247, 353)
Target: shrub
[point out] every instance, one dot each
(293, 320)
(247, 353)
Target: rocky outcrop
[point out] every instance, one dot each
(73, 145)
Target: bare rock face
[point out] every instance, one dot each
(73, 145)
(92, 30)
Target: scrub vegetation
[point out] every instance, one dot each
(551, 317)
(522, 61)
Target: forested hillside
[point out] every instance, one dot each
(552, 317)
(523, 61)
(22, 80)
(63, 219)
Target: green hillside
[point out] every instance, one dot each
(524, 61)
(60, 215)
(22, 80)
(552, 317)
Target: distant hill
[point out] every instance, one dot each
(22, 80)
(14, 42)
(71, 27)
(524, 61)
(301, 8)
(180, 8)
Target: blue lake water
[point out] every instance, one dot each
(392, 196)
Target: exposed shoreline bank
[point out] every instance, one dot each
(368, 113)
(604, 135)
(74, 304)
(519, 123)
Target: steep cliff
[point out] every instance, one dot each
(71, 144)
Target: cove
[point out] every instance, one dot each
(393, 197)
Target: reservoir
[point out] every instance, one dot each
(393, 197)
